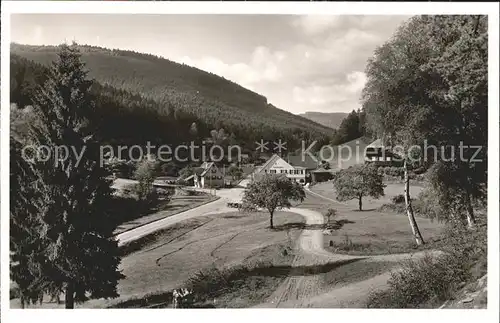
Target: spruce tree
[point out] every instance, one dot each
(26, 247)
(80, 255)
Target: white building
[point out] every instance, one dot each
(208, 175)
(277, 165)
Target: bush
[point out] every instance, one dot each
(148, 195)
(396, 208)
(169, 169)
(163, 194)
(398, 199)
(432, 280)
(14, 291)
(193, 192)
(213, 282)
(394, 171)
(427, 205)
(426, 282)
(126, 208)
(330, 213)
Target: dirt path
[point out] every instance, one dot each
(302, 291)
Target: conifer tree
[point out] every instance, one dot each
(80, 255)
(24, 239)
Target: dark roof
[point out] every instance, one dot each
(305, 161)
(247, 169)
(198, 171)
(206, 166)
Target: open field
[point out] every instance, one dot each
(392, 189)
(370, 231)
(266, 264)
(220, 240)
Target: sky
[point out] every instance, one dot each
(300, 63)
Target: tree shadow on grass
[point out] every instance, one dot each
(234, 216)
(338, 224)
(279, 271)
(333, 225)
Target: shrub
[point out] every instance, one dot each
(330, 213)
(427, 204)
(14, 291)
(398, 199)
(396, 208)
(169, 169)
(147, 196)
(164, 194)
(430, 281)
(393, 171)
(145, 174)
(426, 282)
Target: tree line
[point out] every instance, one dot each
(352, 127)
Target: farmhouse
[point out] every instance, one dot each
(208, 175)
(295, 169)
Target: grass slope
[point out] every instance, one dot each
(371, 231)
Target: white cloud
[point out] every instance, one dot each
(316, 24)
(345, 93)
(262, 67)
(323, 72)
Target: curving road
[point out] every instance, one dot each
(217, 206)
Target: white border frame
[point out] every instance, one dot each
(368, 8)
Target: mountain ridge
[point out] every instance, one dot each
(106, 66)
(150, 90)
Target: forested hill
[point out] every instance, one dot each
(332, 120)
(204, 98)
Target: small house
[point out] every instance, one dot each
(321, 174)
(208, 175)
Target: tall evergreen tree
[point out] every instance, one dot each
(81, 255)
(25, 244)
